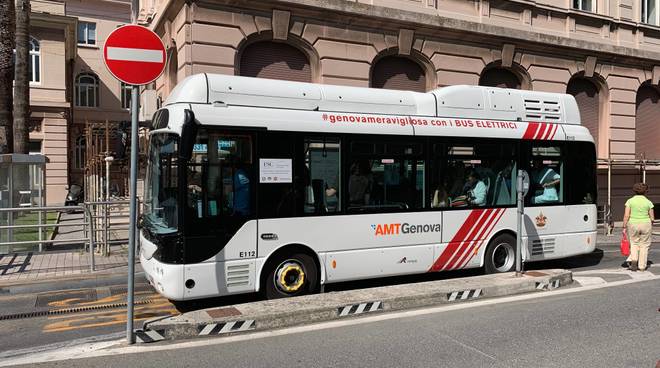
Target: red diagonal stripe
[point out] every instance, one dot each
(541, 131)
(546, 132)
(470, 221)
(554, 131)
(472, 238)
(466, 241)
(550, 130)
(531, 130)
(475, 249)
(467, 249)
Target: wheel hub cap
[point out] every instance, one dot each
(290, 277)
(503, 257)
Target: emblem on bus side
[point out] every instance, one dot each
(541, 220)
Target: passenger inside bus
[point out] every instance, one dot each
(545, 181)
(360, 183)
(457, 172)
(440, 198)
(241, 192)
(502, 192)
(477, 189)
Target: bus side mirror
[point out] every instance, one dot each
(188, 136)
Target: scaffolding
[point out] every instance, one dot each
(99, 137)
(102, 165)
(641, 164)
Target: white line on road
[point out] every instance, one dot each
(584, 280)
(118, 347)
(128, 54)
(469, 347)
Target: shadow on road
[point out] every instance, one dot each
(577, 262)
(582, 261)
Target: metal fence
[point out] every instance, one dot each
(104, 224)
(111, 219)
(12, 213)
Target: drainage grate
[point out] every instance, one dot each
(535, 273)
(223, 312)
(118, 290)
(70, 310)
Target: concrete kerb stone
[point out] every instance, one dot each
(281, 313)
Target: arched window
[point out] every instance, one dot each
(275, 60)
(588, 100)
(34, 62)
(87, 90)
(396, 72)
(79, 153)
(647, 127)
(499, 77)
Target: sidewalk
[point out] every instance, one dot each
(32, 272)
(68, 231)
(615, 238)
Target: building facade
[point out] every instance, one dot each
(72, 90)
(52, 55)
(605, 53)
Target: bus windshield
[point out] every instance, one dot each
(160, 202)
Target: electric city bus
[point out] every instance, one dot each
(278, 187)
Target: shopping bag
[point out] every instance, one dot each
(625, 245)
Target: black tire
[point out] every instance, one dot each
(287, 268)
(501, 254)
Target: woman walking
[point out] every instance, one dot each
(637, 221)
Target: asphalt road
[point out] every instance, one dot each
(613, 327)
(110, 323)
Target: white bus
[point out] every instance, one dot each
(280, 187)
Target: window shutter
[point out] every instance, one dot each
(586, 95)
(394, 72)
(275, 60)
(647, 127)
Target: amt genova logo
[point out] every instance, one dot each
(404, 228)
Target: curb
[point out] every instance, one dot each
(281, 313)
(69, 283)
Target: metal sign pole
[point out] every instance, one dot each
(521, 210)
(133, 212)
(135, 108)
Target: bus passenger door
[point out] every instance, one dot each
(218, 213)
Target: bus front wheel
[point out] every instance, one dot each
(501, 254)
(290, 275)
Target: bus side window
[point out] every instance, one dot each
(385, 177)
(546, 175)
(581, 173)
(322, 182)
(479, 175)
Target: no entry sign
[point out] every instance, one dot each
(134, 55)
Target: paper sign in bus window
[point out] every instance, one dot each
(275, 170)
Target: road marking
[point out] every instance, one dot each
(584, 280)
(105, 318)
(469, 347)
(117, 347)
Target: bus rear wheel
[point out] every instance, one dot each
(501, 254)
(291, 275)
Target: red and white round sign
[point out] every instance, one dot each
(134, 54)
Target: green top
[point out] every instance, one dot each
(639, 209)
